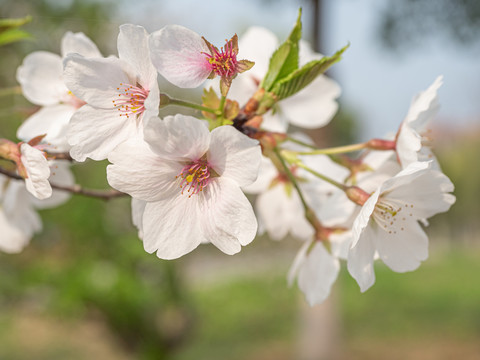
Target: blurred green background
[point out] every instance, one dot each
(85, 288)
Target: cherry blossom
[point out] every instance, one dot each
(186, 59)
(119, 93)
(388, 222)
(188, 180)
(41, 79)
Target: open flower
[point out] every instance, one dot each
(41, 79)
(388, 222)
(412, 137)
(189, 180)
(119, 93)
(186, 59)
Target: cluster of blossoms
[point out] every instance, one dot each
(187, 175)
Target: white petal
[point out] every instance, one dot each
(300, 258)
(94, 133)
(40, 76)
(317, 274)
(137, 171)
(274, 122)
(133, 48)
(13, 240)
(60, 174)
(79, 43)
(138, 208)
(50, 120)
(95, 80)
(360, 260)
(409, 143)
(402, 250)
(273, 209)
(364, 216)
(171, 226)
(234, 155)
(257, 44)
(177, 53)
(227, 218)
(266, 173)
(426, 194)
(423, 102)
(38, 172)
(314, 106)
(178, 137)
(341, 243)
(18, 208)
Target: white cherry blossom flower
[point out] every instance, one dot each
(388, 222)
(187, 182)
(312, 107)
(41, 79)
(119, 92)
(413, 133)
(186, 59)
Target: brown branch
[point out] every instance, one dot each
(74, 189)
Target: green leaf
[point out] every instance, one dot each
(302, 77)
(13, 23)
(12, 35)
(285, 59)
(9, 31)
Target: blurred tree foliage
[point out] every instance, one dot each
(411, 22)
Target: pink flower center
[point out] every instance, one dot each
(195, 177)
(131, 100)
(224, 62)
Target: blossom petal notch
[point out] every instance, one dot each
(186, 59)
(119, 92)
(187, 181)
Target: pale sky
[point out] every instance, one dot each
(377, 85)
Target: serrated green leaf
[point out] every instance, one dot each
(12, 35)
(285, 59)
(302, 77)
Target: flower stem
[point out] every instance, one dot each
(74, 189)
(166, 100)
(291, 178)
(301, 143)
(321, 176)
(333, 150)
(222, 104)
(309, 213)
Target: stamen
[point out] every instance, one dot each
(224, 62)
(195, 177)
(131, 100)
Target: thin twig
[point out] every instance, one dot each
(74, 189)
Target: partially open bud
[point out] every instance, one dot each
(357, 195)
